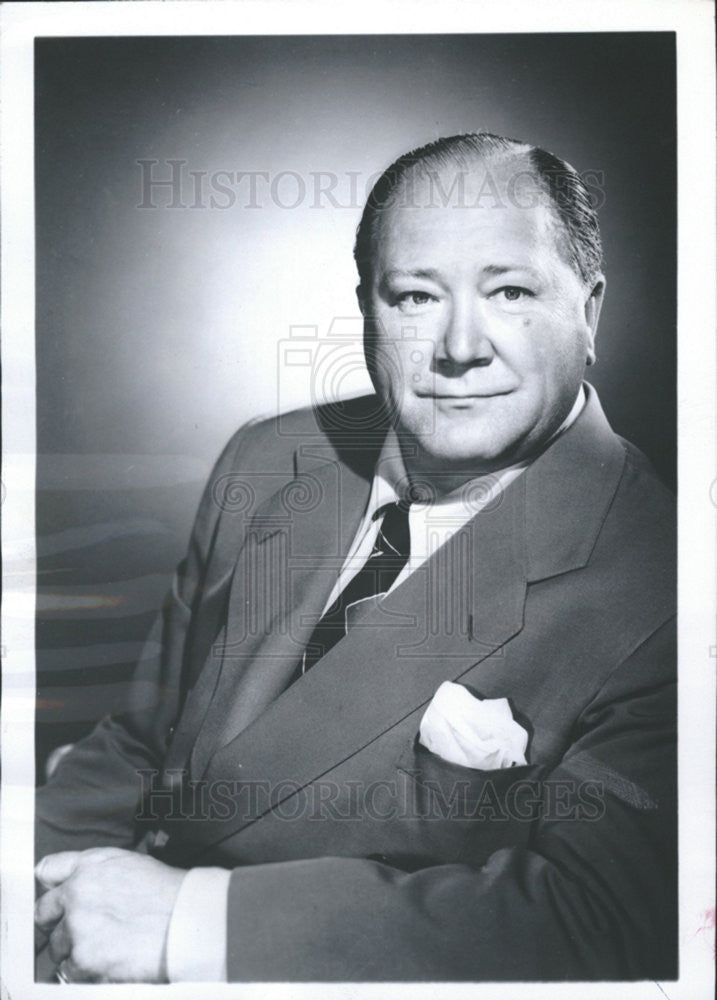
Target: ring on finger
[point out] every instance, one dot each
(61, 973)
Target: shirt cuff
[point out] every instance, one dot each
(197, 936)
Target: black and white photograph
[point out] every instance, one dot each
(359, 386)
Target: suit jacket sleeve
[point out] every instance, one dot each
(93, 796)
(592, 896)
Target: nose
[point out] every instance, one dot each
(465, 342)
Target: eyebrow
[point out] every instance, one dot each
(496, 270)
(490, 270)
(419, 272)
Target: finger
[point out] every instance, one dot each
(40, 939)
(57, 868)
(60, 944)
(49, 909)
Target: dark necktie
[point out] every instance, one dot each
(388, 557)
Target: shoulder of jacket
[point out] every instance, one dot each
(276, 437)
(642, 494)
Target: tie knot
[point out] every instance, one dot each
(393, 534)
(374, 579)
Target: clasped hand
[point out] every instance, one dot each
(107, 912)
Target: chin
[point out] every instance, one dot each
(466, 456)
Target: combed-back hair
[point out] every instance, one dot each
(581, 245)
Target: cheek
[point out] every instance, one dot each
(526, 349)
(399, 362)
(377, 351)
(547, 351)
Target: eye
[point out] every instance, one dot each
(514, 293)
(414, 299)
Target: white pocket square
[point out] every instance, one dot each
(474, 732)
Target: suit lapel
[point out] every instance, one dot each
(569, 489)
(292, 555)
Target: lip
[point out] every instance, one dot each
(463, 396)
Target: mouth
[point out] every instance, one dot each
(466, 397)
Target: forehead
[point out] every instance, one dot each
(458, 215)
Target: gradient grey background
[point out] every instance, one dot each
(160, 330)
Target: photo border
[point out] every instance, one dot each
(693, 23)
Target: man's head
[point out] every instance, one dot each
(479, 260)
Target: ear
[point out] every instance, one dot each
(362, 299)
(593, 305)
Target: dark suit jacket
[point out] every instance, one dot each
(357, 854)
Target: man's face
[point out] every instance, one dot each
(478, 330)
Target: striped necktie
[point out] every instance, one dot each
(376, 577)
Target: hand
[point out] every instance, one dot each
(108, 912)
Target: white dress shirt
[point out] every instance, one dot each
(197, 936)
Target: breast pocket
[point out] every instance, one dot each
(462, 814)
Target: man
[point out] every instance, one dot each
(317, 808)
